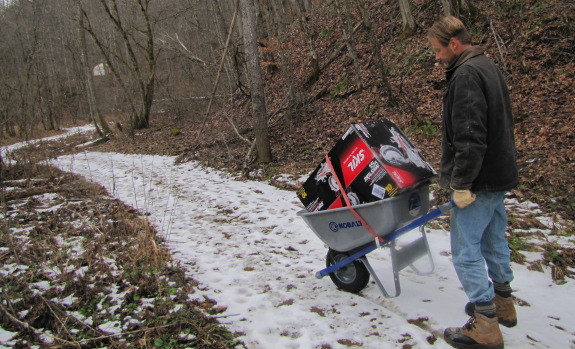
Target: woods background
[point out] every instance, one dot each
(256, 82)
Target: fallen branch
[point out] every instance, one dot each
(497, 39)
(238, 133)
(24, 325)
(76, 344)
(184, 48)
(39, 191)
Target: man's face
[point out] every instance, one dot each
(443, 54)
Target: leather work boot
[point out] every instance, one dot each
(480, 332)
(506, 314)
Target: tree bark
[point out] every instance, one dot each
(407, 19)
(458, 8)
(250, 33)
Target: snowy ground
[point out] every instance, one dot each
(244, 242)
(5, 151)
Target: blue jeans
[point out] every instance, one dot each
(478, 239)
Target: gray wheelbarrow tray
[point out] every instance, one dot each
(349, 241)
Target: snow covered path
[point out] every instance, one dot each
(7, 150)
(243, 241)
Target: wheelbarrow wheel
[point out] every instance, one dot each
(350, 278)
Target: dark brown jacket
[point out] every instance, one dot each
(478, 145)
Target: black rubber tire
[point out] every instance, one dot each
(351, 278)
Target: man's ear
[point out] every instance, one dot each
(453, 44)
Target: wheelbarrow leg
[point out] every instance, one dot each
(428, 252)
(406, 255)
(378, 282)
(402, 258)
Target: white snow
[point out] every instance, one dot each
(6, 336)
(244, 243)
(5, 151)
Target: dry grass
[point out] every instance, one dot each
(81, 269)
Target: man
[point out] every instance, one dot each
(479, 164)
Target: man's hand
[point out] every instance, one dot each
(463, 198)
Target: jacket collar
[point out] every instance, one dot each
(471, 52)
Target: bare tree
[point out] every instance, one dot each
(25, 61)
(221, 65)
(137, 38)
(45, 66)
(250, 34)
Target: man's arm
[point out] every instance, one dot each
(469, 128)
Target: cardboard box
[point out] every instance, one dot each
(373, 160)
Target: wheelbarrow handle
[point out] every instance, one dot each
(389, 237)
(446, 207)
(442, 209)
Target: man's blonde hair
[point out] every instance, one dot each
(449, 27)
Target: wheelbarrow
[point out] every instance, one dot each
(349, 240)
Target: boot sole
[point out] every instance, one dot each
(473, 346)
(507, 323)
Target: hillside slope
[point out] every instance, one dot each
(532, 41)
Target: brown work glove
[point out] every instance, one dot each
(463, 198)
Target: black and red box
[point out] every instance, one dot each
(373, 161)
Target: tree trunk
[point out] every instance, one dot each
(458, 8)
(249, 21)
(95, 115)
(147, 82)
(408, 22)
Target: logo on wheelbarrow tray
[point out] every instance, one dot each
(335, 227)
